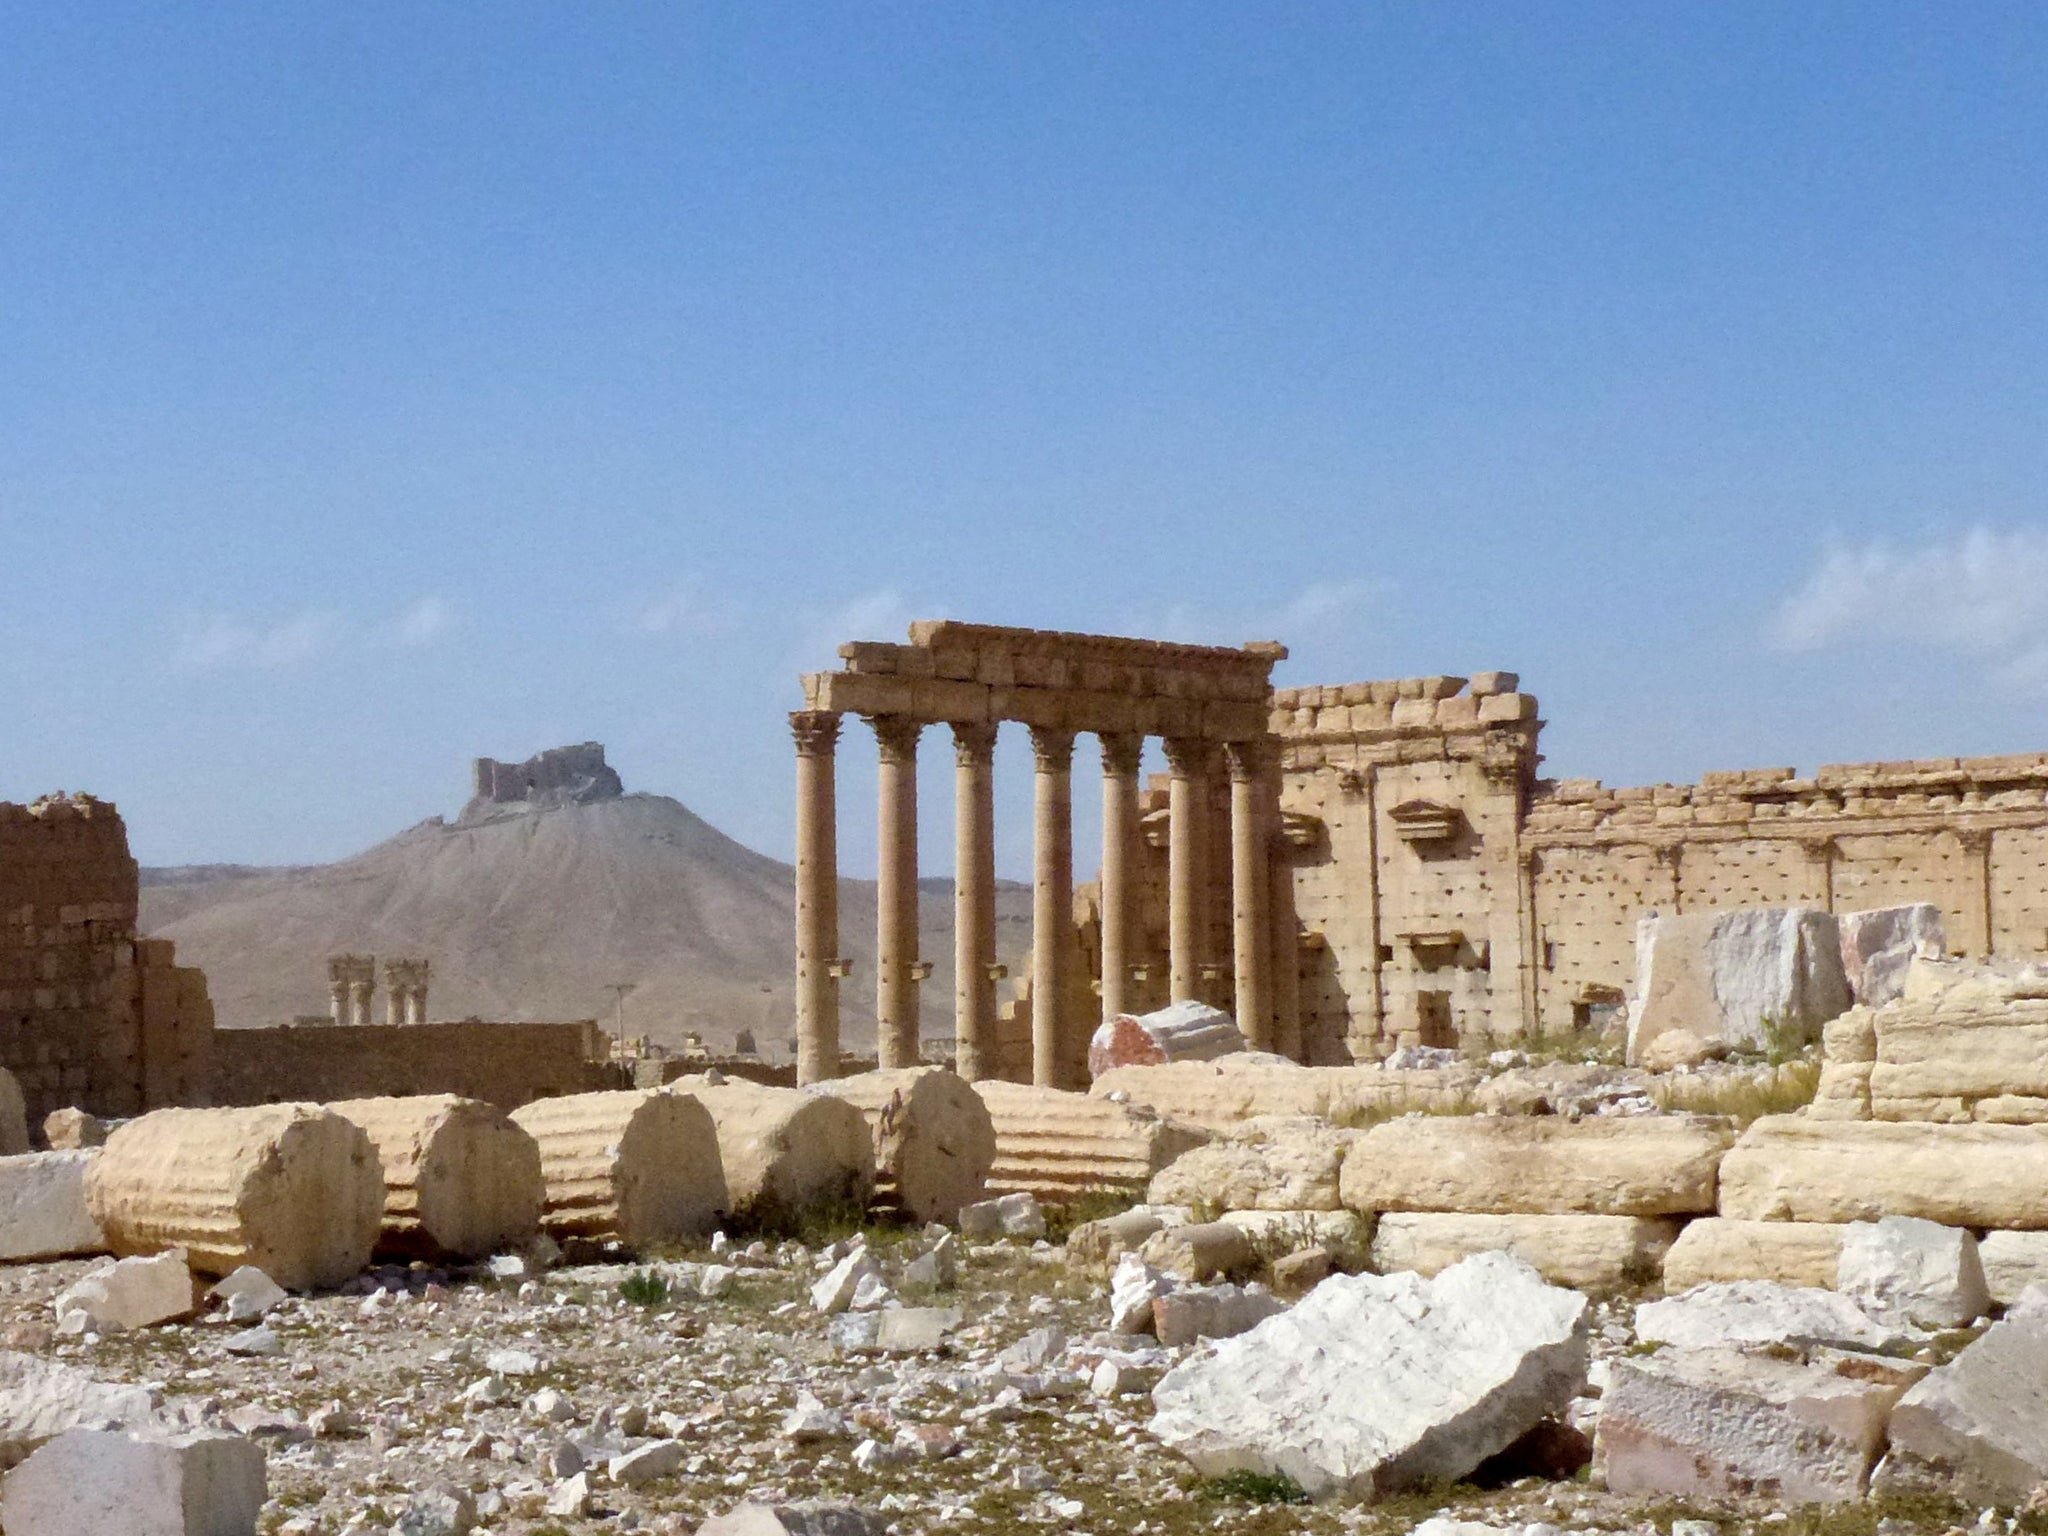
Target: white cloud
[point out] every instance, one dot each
(1319, 604)
(424, 621)
(1983, 594)
(685, 609)
(220, 641)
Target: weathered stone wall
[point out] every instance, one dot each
(90, 1015)
(504, 1064)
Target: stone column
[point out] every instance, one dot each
(1187, 760)
(1121, 753)
(337, 994)
(1052, 901)
(974, 901)
(817, 895)
(1249, 890)
(896, 968)
(395, 989)
(362, 992)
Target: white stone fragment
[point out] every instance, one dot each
(129, 1293)
(1909, 1270)
(1747, 1314)
(1977, 1428)
(1377, 1383)
(249, 1294)
(1012, 1215)
(1133, 1289)
(1212, 1312)
(42, 1207)
(40, 1399)
(644, 1464)
(1707, 981)
(2013, 1261)
(793, 1520)
(94, 1482)
(835, 1292)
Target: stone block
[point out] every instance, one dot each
(1199, 1250)
(1651, 1165)
(1710, 981)
(94, 1482)
(1914, 1271)
(40, 1399)
(1013, 1215)
(1929, 1056)
(1376, 1384)
(1600, 1253)
(636, 1166)
(1095, 1246)
(1187, 1031)
(460, 1179)
(1056, 1145)
(1879, 945)
(2013, 1261)
(1714, 1423)
(1754, 1314)
(1507, 708)
(1283, 1166)
(1486, 684)
(933, 1139)
(1713, 1248)
(1197, 1312)
(1977, 1428)
(128, 1293)
(43, 1214)
(1792, 1168)
(293, 1189)
(787, 1152)
(73, 1130)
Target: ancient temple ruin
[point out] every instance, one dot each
(1349, 868)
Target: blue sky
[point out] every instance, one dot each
(386, 385)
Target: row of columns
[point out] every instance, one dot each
(1255, 933)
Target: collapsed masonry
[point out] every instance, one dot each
(1379, 867)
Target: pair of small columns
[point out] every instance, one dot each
(819, 966)
(348, 1002)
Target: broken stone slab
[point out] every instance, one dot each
(1094, 1247)
(835, 1290)
(1271, 1164)
(40, 1399)
(1707, 982)
(1012, 1215)
(1751, 1314)
(805, 1519)
(43, 1214)
(1061, 1145)
(1603, 1253)
(1296, 1274)
(1199, 1250)
(1792, 1168)
(152, 1482)
(460, 1179)
(1133, 1289)
(1211, 1312)
(635, 1166)
(1184, 1031)
(1796, 1253)
(1977, 1428)
(1913, 1271)
(898, 1330)
(647, 1463)
(938, 1267)
(1374, 1384)
(933, 1140)
(438, 1512)
(293, 1189)
(128, 1293)
(788, 1153)
(248, 1294)
(73, 1130)
(2013, 1261)
(1649, 1165)
(1713, 1423)
(1879, 947)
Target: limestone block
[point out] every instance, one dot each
(1211, 1312)
(1977, 1428)
(2013, 1261)
(134, 1292)
(1217, 1095)
(1188, 1031)
(1791, 1168)
(42, 1207)
(636, 1166)
(1374, 1384)
(2008, 1109)
(1057, 1145)
(1850, 1037)
(460, 1179)
(1648, 1165)
(1914, 1271)
(1290, 1164)
(40, 1399)
(1750, 1314)
(1603, 1253)
(1796, 1253)
(73, 1130)
(1198, 1250)
(1935, 1056)
(934, 1142)
(13, 1116)
(1878, 947)
(1710, 980)
(1016, 1214)
(92, 1482)
(1714, 1423)
(1095, 1246)
(293, 1189)
(1843, 1092)
(787, 1152)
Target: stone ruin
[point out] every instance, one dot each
(352, 990)
(576, 775)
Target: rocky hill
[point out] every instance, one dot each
(531, 905)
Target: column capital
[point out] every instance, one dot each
(816, 731)
(1052, 749)
(1249, 759)
(1121, 753)
(1190, 757)
(896, 735)
(973, 743)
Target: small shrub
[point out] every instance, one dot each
(644, 1288)
(1085, 1206)
(1248, 1487)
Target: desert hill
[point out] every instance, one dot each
(530, 909)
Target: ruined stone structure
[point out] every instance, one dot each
(405, 991)
(1431, 888)
(1209, 703)
(351, 984)
(574, 775)
(90, 1014)
(506, 1064)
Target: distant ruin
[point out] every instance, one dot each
(1349, 869)
(574, 775)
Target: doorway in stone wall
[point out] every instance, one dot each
(1433, 1024)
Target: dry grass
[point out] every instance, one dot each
(1742, 1097)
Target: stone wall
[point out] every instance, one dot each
(90, 1015)
(505, 1064)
